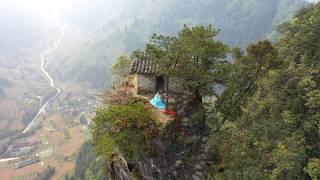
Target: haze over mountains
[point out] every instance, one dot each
(22, 36)
(131, 25)
(25, 32)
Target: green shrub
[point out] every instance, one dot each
(125, 128)
(313, 168)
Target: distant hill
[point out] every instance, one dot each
(240, 22)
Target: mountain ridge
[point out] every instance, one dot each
(240, 22)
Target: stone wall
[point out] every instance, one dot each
(175, 85)
(146, 83)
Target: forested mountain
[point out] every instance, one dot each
(265, 125)
(240, 22)
(277, 135)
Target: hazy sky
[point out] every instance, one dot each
(52, 9)
(48, 9)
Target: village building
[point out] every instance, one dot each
(27, 162)
(25, 150)
(146, 79)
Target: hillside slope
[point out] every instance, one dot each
(265, 125)
(240, 22)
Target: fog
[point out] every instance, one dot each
(54, 9)
(22, 21)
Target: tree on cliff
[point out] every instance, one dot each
(275, 133)
(265, 124)
(122, 132)
(194, 56)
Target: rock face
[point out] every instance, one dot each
(181, 151)
(190, 112)
(119, 168)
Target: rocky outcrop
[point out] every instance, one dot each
(190, 113)
(181, 151)
(119, 168)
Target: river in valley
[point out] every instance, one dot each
(44, 69)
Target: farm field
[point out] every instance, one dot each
(58, 148)
(19, 100)
(59, 133)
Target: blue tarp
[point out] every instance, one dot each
(157, 102)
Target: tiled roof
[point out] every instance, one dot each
(145, 66)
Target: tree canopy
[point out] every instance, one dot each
(275, 133)
(193, 55)
(264, 125)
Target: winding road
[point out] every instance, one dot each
(44, 63)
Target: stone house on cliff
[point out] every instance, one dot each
(147, 80)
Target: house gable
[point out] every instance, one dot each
(146, 81)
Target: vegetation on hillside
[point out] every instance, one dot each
(126, 128)
(276, 133)
(265, 124)
(88, 166)
(193, 56)
(46, 174)
(241, 22)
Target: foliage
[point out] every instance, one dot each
(274, 126)
(121, 66)
(88, 166)
(46, 174)
(193, 56)
(265, 125)
(313, 168)
(125, 128)
(243, 78)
